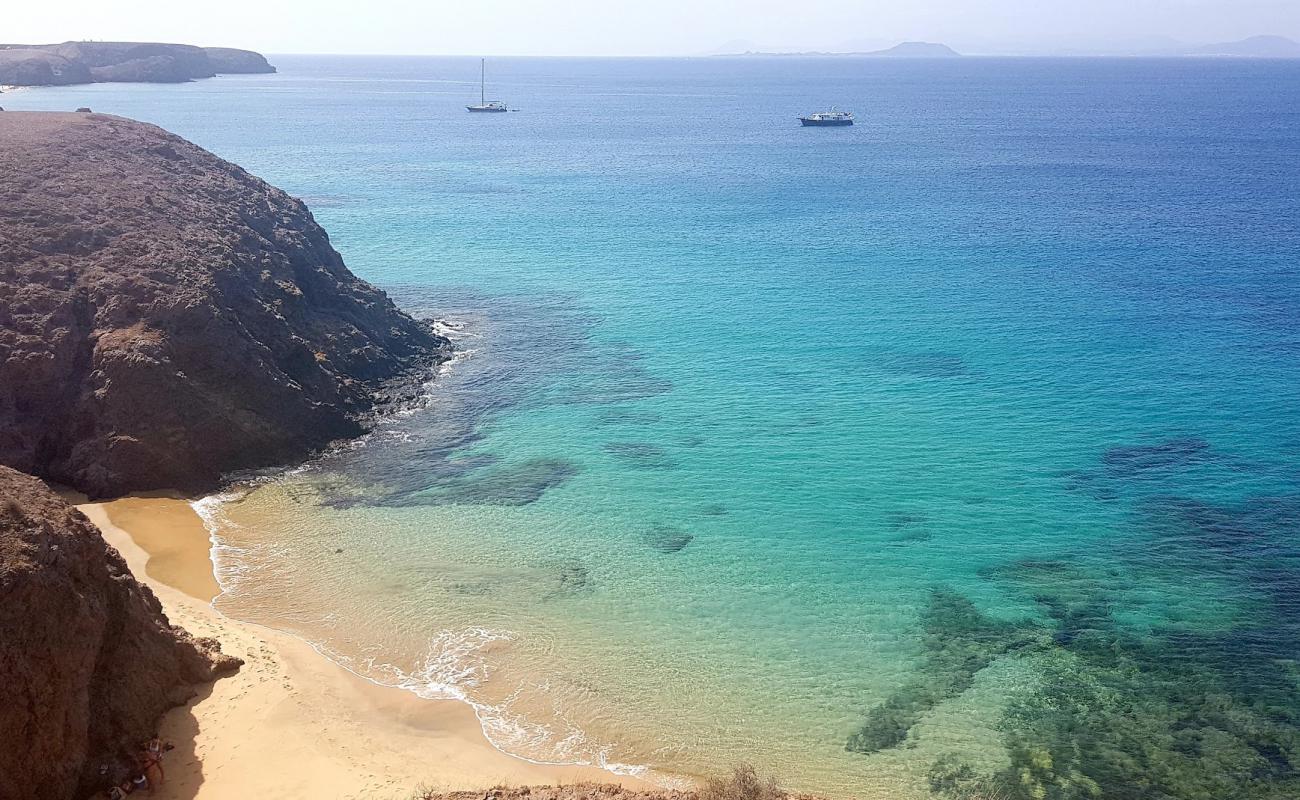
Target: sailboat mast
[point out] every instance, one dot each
(482, 78)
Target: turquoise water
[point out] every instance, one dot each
(952, 453)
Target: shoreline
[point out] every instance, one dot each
(292, 723)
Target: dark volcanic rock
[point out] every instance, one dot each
(89, 661)
(165, 317)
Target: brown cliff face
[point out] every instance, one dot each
(88, 660)
(165, 317)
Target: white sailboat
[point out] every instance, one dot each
(485, 105)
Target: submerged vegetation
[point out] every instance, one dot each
(1123, 713)
(959, 642)
(1127, 704)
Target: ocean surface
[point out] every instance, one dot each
(953, 453)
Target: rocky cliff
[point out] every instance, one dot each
(21, 67)
(88, 661)
(229, 61)
(166, 317)
(104, 62)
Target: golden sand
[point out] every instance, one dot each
(291, 723)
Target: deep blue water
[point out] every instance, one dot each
(967, 435)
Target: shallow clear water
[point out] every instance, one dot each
(745, 413)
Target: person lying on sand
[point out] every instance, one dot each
(150, 760)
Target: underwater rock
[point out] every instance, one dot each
(667, 539)
(572, 578)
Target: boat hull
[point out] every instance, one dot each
(478, 110)
(825, 123)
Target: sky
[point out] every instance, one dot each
(649, 27)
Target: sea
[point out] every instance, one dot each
(952, 454)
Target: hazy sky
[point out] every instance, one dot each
(646, 27)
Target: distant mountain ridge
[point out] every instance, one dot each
(902, 50)
(1252, 47)
(115, 62)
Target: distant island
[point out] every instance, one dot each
(117, 62)
(1251, 47)
(903, 50)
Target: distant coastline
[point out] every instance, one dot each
(902, 50)
(1251, 47)
(73, 63)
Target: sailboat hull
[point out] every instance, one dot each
(486, 110)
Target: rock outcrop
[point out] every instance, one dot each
(105, 62)
(88, 660)
(166, 317)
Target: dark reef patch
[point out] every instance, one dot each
(714, 510)
(517, 354)
(642, 455)
(667, 539)
(1254, 545)
(913, 536)
(1132, 712)
(1130, 467)
(483, 481)
(1126, 461)
(958, 641)
(571, 578)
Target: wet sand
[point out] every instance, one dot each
(291, 723)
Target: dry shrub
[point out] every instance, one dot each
(11, 509)
(744, 783)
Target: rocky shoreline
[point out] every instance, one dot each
(169, 318)
(90, 660)
(165, 318)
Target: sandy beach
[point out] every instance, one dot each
(291, 723)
